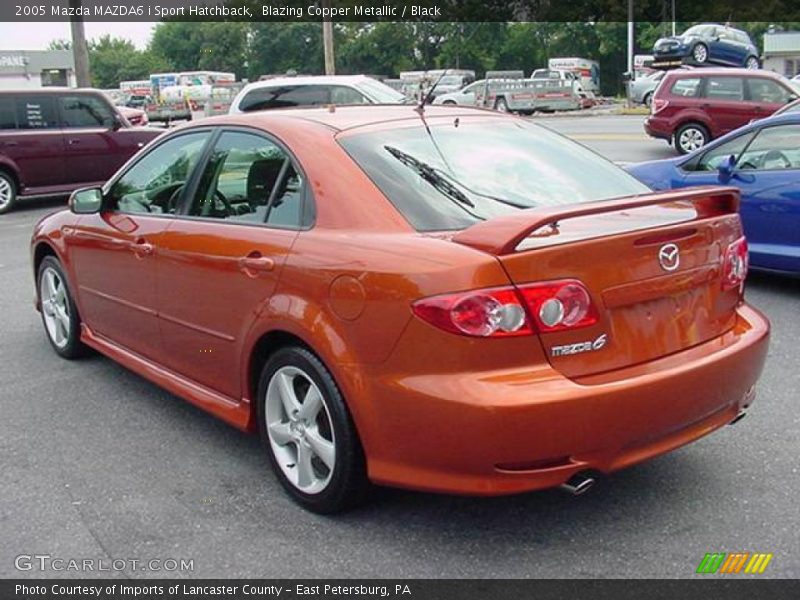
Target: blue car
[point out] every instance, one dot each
(708, 43)
(762, 159)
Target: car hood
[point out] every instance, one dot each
(657, 174)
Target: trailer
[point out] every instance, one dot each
(585, 71)
(511, 91)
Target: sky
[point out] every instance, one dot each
(36, 36)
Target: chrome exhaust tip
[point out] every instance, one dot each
(578, 484)
(742, 414)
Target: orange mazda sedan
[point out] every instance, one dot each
(452, 300)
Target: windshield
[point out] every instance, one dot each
(471, 169)
(380, 92)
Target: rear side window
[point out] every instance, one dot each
(286, 96)
(725, 88)
(687, 87)
(341, 94)
(84, 111)
(251, 179)
(8, 117)
(36, 112)
(766, 90)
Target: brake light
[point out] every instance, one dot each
(511, 311)
(658, 105)
(735, 264)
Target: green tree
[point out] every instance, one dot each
(279, 47)
(59, 44)
(197, 45)
(115, 59)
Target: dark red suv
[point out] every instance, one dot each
(692, 107)
(55, 140)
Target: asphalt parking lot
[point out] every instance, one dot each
(97, 463)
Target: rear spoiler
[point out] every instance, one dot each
(502, 235)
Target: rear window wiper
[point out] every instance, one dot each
(431, 175)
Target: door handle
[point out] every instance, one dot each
(256, 262)
(141, 247)
(73, 141)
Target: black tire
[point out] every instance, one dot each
(449, 102)
(8, 192)
(700, 53)
(501, 105)
(347, 485)
(72, 347)
(690, 137)
(648, 99)
(751, 62)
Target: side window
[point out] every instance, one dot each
(346, 95)
(687, 87)
(775, 148)
(725, 88)
(766, 90)
(84, 111)
(249, 178)
(8, 117)
(36, 112)
(711, 160)
(154, 183)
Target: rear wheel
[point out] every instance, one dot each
(690, 137)
(648, 99)
(449, 102)
(751, 63)
(307, 431)
(8, 192)
(700, 53)
(59, 313)
(501, 105)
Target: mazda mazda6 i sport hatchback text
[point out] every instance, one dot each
(453, 300)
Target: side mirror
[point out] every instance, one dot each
(726, 167)
(86, 201)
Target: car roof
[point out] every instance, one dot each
(52, 91)
(309, 80)
(340, 118)
(718, 71)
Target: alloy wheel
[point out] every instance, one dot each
(752, 63)
(691, 139)
(55, 307)
(300, 430)
(6, 192)
(700, 53)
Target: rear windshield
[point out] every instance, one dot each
(285, 96)
(469, 170)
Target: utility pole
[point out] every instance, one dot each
(80, 50)
(327, 41)
(631, 73)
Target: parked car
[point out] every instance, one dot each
(54, 140)
(792, 107)
(290, 92)
(136, 117)
(763, 161)
(642, 88)
(463, 97)
(708, 43)
(692, 107)
(371, 296)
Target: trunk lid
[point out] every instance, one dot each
(652, 265)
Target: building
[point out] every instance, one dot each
(782, 52)
(36, 68)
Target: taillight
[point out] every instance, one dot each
(658, 105)
(511, 311)
(735, 264)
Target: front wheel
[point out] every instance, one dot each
(751, 63)
(59, 313)
(691, 137)
(700, 54)
(307, 431)
(8, 192)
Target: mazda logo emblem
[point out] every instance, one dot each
(669, 257)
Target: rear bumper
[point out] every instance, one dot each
(658, 128)
(511, 431)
